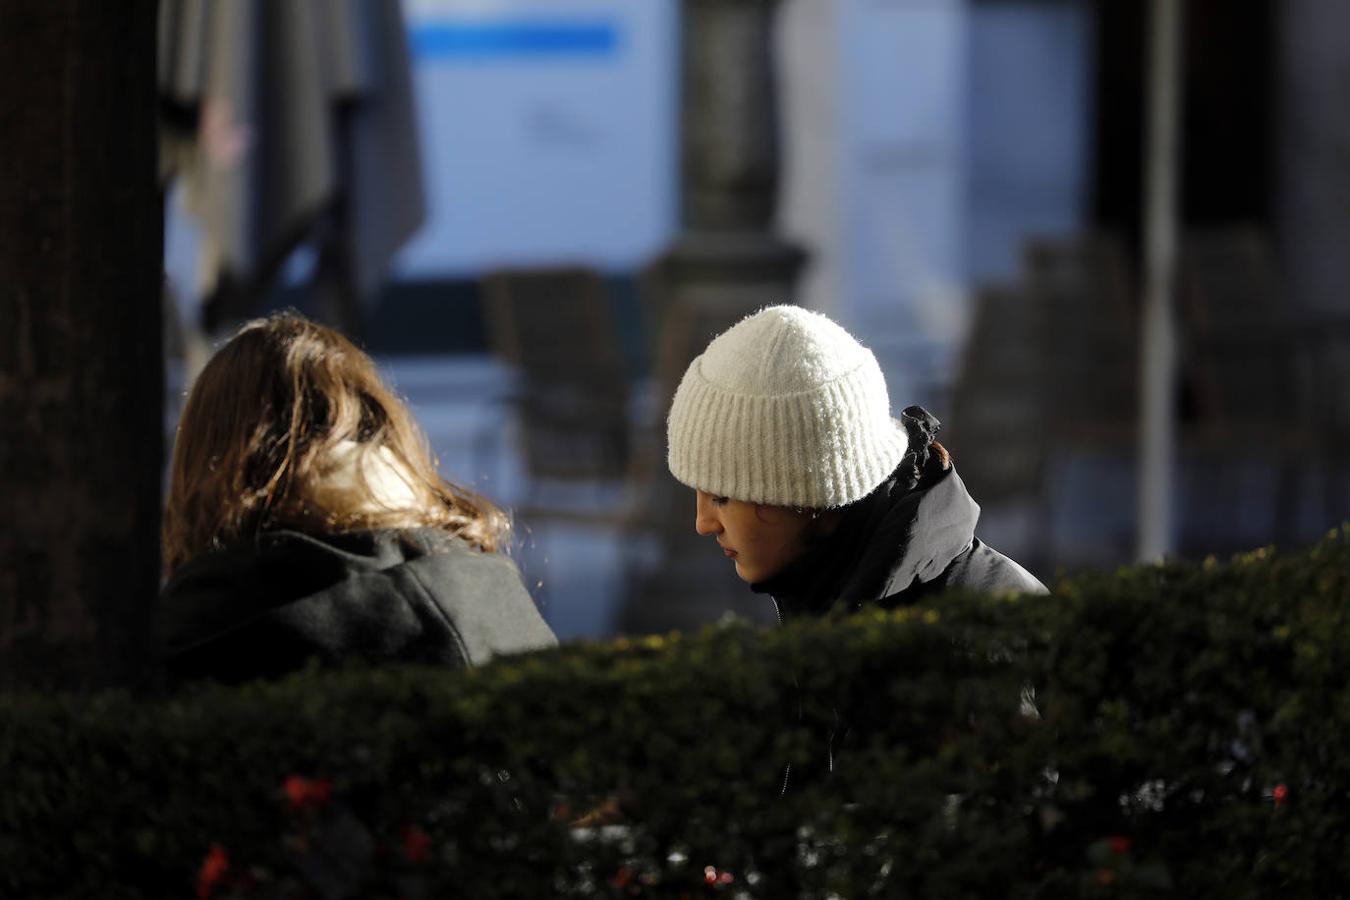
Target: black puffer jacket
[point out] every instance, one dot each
(913, 535)
(266, 607)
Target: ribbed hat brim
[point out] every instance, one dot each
(822, 448)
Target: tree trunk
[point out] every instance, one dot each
(81, 362)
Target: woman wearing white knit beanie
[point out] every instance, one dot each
(825, 502)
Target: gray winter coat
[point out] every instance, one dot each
(268, 606)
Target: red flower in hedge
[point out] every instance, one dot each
(214, 867)
(305, 793)
(712, 877)
(1120, 845)
(416, 844)
(1280, 794)
(621, 878)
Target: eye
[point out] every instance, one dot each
(721, 501)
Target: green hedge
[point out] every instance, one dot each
(1181, 730)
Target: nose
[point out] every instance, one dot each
(705, 516)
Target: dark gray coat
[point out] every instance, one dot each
(268, 606)
(897, 545)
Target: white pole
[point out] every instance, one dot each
(1157, 361)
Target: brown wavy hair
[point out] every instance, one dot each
(263, 422)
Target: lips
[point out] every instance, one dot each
(729, 553)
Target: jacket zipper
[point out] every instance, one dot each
(787, 767)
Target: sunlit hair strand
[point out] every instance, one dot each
(262, 427)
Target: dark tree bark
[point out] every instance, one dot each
(81, 371)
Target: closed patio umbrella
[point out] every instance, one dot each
(291, 122)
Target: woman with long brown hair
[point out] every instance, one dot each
(306, 520)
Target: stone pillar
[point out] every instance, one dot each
(726, 262)
(81, 360)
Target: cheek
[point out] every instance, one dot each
(779, 543)
(789, 546)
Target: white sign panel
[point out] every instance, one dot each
(548, 131)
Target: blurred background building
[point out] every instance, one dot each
(537, 224)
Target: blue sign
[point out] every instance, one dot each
(513, 40)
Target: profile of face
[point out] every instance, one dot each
(761, 540)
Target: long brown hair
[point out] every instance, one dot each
(261, 427)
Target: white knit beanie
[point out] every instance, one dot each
(784, 408)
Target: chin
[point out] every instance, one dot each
(753, 575)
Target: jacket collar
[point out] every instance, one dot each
(941, 528)
(886, 543)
